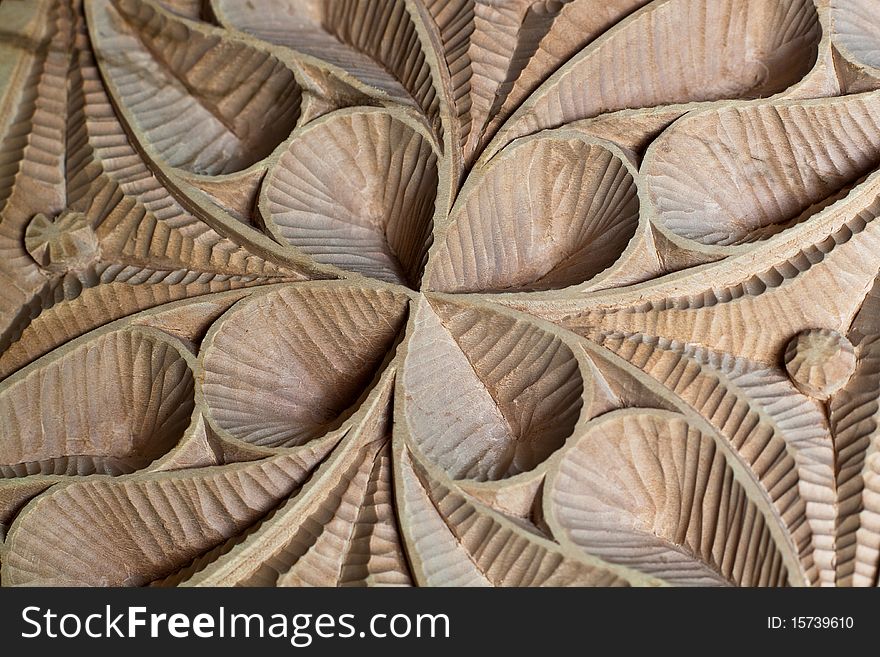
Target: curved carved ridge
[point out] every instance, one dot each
(377, 42)
(828, 259)
(89, 308)
(485, 358)
(452, 538)
(339, 530)
(317, 365)
(853, 418)
(495, 54)
(111, 520)
(781, 436)
(32, 139)
(857, 35)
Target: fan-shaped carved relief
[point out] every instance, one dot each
(466, 293)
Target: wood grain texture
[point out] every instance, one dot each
(439, 293)
(469, 405)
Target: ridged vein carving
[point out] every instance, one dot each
(439, 293)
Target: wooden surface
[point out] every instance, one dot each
(440, 292)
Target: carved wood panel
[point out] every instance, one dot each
(439, 292)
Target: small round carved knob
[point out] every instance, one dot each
(61, 245)
(819, 362)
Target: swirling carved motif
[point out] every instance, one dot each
(411, 292)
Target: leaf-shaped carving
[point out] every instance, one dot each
(205, 101)
(677, 51)
(376, 41)
(453, 540)
(647, 490)
(356, 189)
(73, 310)
(15, 494)
(487, 396)
(137, 219)
(573, 217)
(339, 530)
(321, 346)
(111, 405)
(140, 528)
(762, 167)
(778, 435)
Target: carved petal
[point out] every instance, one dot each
(646, 490)
(135, 530)
(318, 349)
(853, 414)
(547, 213)
(487, 396)
(208, 103)
(761, 167)
(777, 434)
(33, 107)
(496, 53)
(110, 405)
(678, 51)
(356, 189)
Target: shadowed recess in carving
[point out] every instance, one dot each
(546, 213)
(678, 51)
(106, 532)
(487, 396)
(207, 103)
(316, 350)
(111, 405)
(646, 490)
(356, 190)
(761, 167)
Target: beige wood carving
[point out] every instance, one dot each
(440, 292)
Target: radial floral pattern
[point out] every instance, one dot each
(439, 292)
